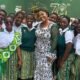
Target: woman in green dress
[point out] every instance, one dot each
(27, 49)
(64, 49)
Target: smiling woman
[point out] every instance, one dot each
(43, 54)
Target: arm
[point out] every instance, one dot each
(69, 43)
(19, 56)
(54, 36)
(67, 52)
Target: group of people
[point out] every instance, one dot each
(39, 46)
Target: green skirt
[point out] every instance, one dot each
(3, 76)
(11, 69)
(64, 72)
(75, 68)
(27, 70)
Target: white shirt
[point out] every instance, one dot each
(69, 35)
(6, 38)
(17, 29)
(36, 23)
(77, 44)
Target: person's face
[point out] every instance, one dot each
(43, 16)
(35, 16)
(29, 20)
(18, 19)
(53, 18)
(9, 24)
(2, 16)
(64, 23)
(78, 28)
(75, 23)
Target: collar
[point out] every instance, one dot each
(16, 26)
(30, 29)
(12, 32)
(62, 31)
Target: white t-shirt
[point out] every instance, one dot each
(6, 38)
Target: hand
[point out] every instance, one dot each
(49, 59)
(61, 64)
(19, 64)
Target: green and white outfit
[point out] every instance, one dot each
(6, 53)
(65, 36)
(27, 48)
(75, 69)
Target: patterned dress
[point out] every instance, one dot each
(8, 60)
(43, 67)
(12, 70)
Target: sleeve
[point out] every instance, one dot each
(69, 35)
(54, 36)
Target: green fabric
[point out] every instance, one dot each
(28, 66)
(61, 45)
(64, 72)
(1, 30)
(54, 36)
(2, 67)
(11, 66)
(75, 68)
(6, 53)
(28, 39)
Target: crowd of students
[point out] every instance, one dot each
(39, 46)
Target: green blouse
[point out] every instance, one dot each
(61, 44)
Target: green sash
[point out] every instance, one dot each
(6, 53)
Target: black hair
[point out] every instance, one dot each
(20, 12)
(44, 10)
(35, 11)
(29, 14)
(12, 15)
(79, 19)
(75, 32)
(4, 11)
(54, 13)
(67, 17)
